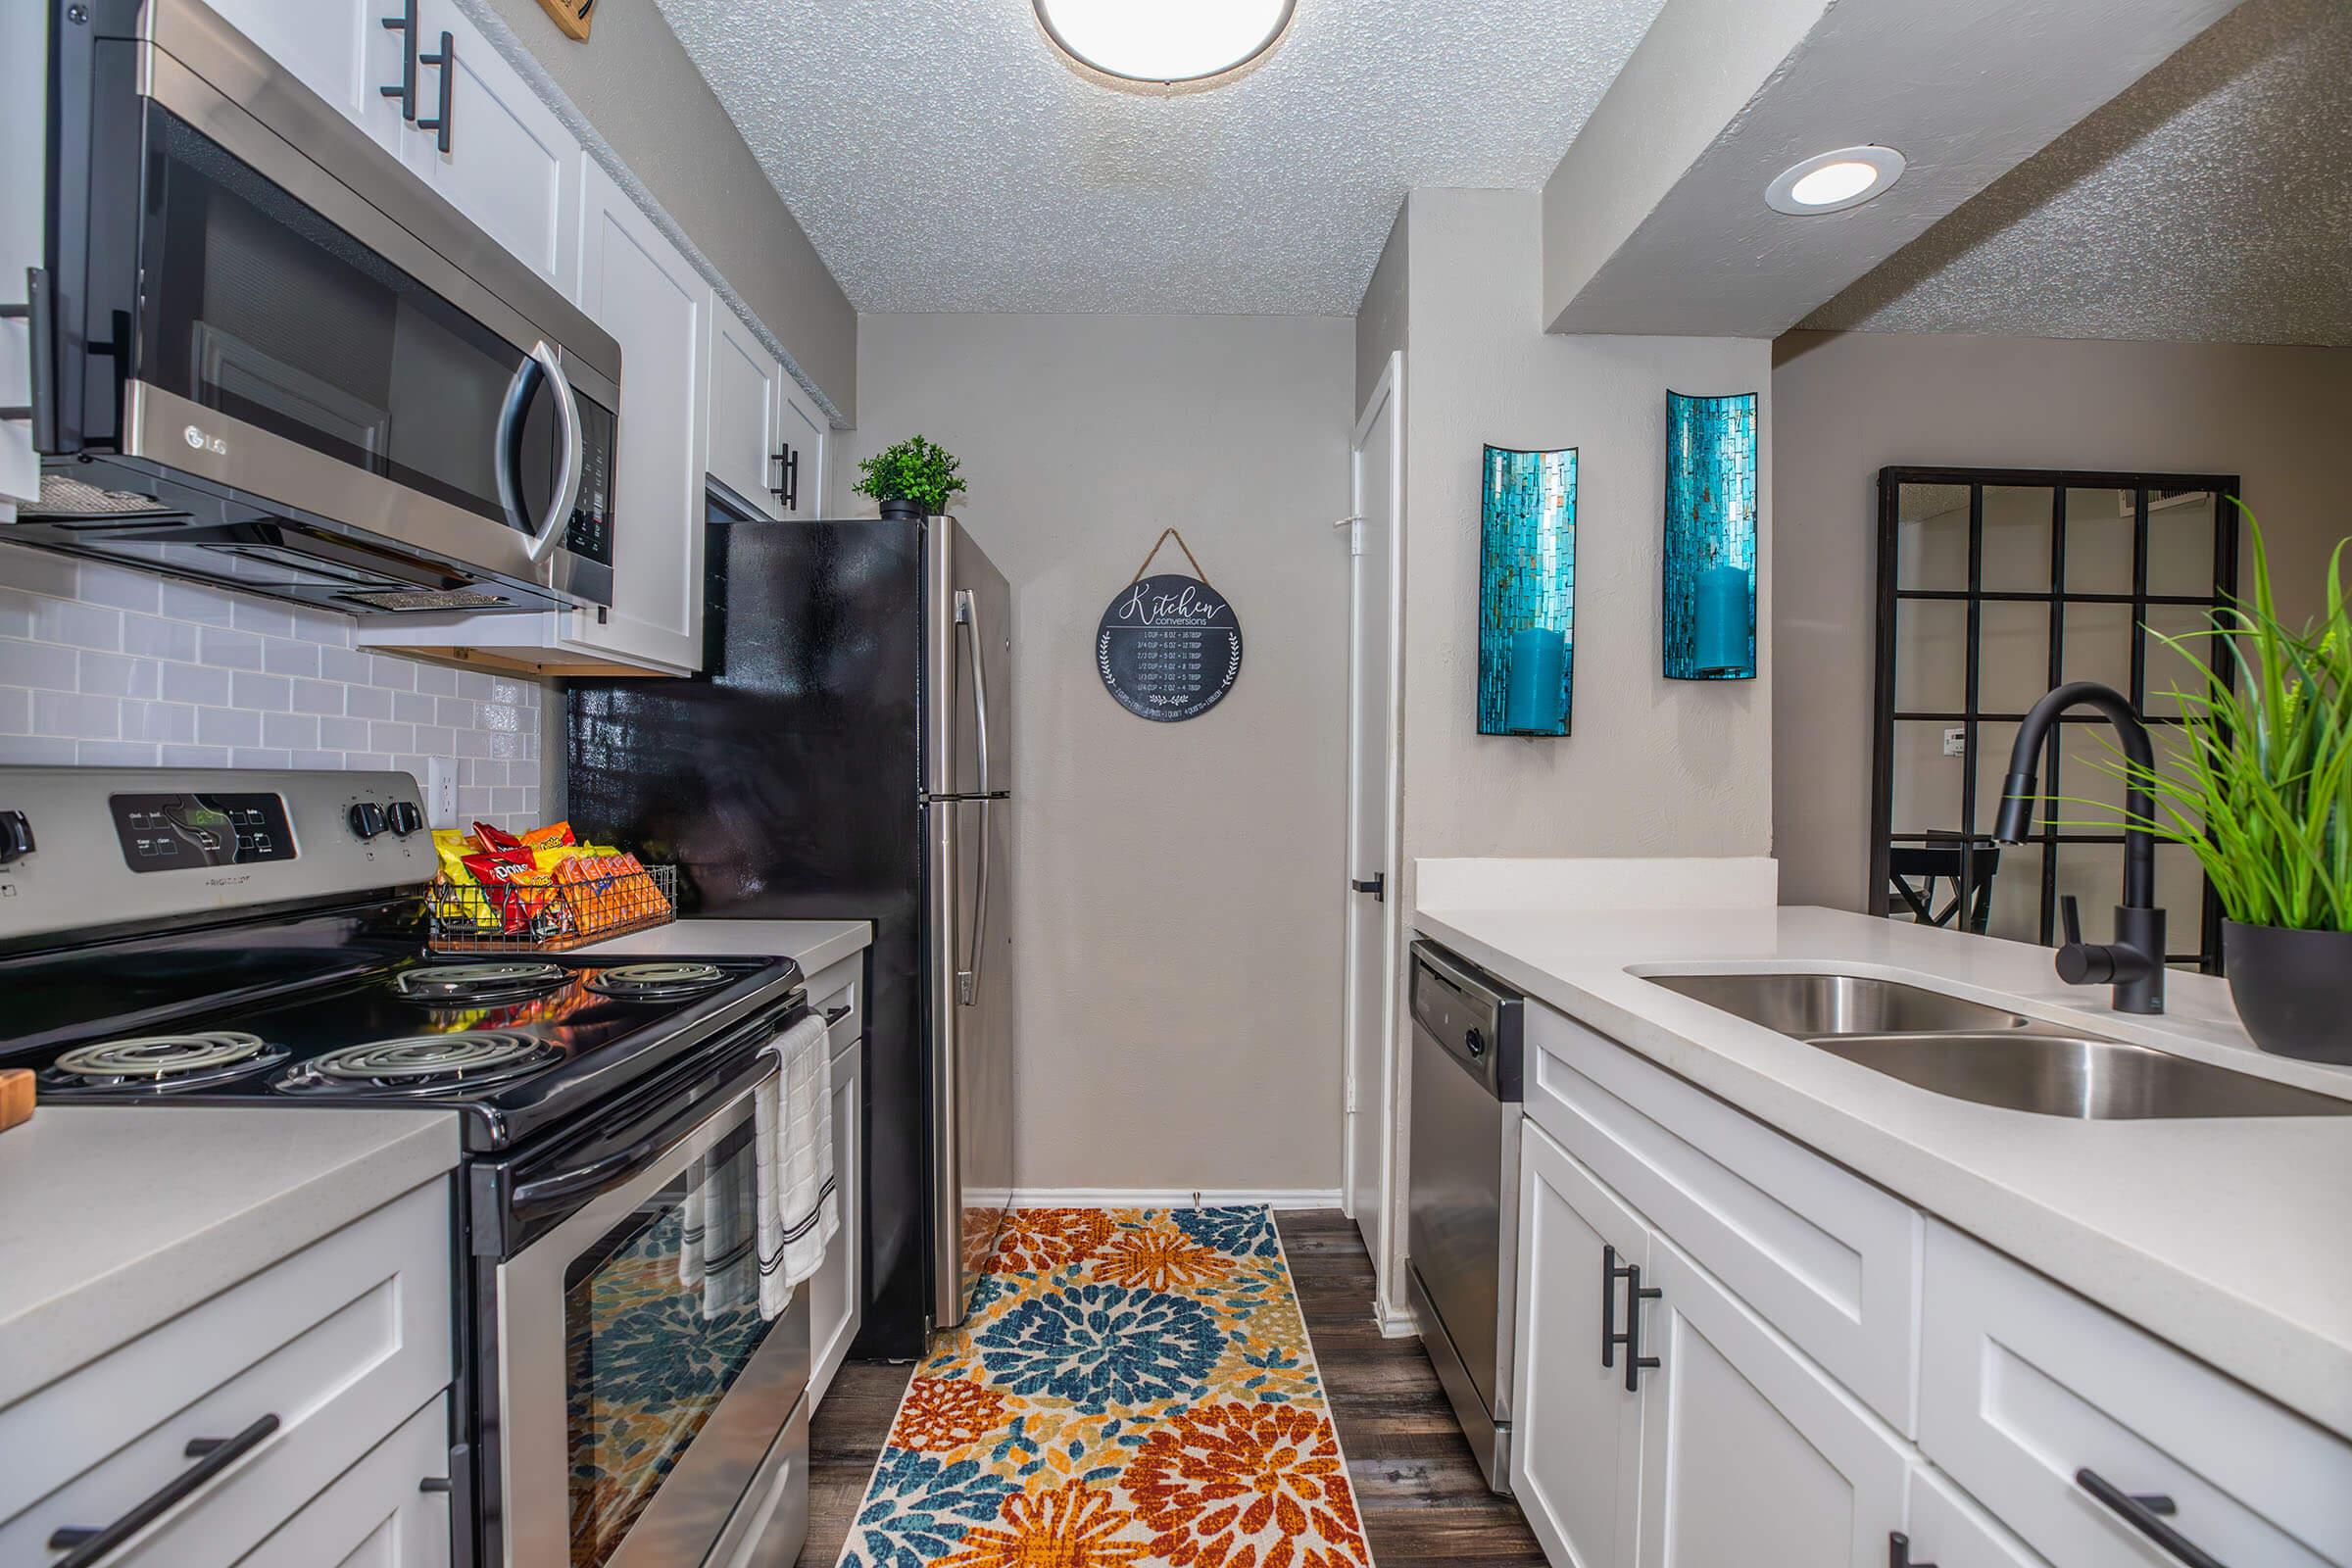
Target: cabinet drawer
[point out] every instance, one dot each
(1827, 1258)
(1946, 1530)
(378, 1514)
(342, 1342)
(2025, 1384)
(837, 987)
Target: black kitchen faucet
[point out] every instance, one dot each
(2133, 962)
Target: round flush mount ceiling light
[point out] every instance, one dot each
(1832, 181)
(1166, 43)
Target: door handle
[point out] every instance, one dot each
(2142, 1512)
(84, 1546)
(447, 63)
(406, 90)
(787, 488)
(968, 978)
(1636, 1363)
(543, 361)
(38, 313)
(967, 615)
(1378, 886)
(1899, 1551)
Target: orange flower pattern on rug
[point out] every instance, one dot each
(1245, 1486)
(1038, 1240)
(943, 1414)
(1134, 1386)
(1072, 1526)
(1162, 1259)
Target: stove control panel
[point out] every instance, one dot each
(82, 849)
(182, 831)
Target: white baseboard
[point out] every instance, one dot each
(1175, 1197)
(1396, 1323)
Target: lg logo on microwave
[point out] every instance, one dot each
(201, 442)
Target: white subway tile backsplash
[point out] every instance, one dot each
(100, 665)
(228, 726)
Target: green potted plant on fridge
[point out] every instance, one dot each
(912, 478)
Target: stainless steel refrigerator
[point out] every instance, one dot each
(847, 753)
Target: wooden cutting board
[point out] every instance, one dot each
(15, 1096)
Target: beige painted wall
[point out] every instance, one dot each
(1178, 894)
(1652, 766)
(1849, 404)
(641, 91)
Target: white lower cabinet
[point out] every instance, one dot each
(1791, 1303)
(836, 1294)
(1750, 1453)
(1576, 1432)
(1732, 1448)
(379, 1513)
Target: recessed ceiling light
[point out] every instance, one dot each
(1832, 181)
(1164, 41)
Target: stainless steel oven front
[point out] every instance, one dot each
(633, 1409)
(266, 354)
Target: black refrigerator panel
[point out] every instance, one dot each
(785, 783)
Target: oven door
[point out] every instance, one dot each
(642, 1402)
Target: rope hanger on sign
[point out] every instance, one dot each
(1166, 534)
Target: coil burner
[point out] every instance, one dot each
(422, 1064)
(659, 982)
(159, 1063)
(450, 985)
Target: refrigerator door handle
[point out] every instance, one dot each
(967, 975)
(967, 615)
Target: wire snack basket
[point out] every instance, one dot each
(577, 907)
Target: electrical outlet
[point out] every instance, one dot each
(1955, 741)
(441, 792)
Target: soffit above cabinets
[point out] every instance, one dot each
(2210, 202)
(944, 157)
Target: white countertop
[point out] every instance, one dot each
(114, 1219)
(2231, 1238)
(815, 942)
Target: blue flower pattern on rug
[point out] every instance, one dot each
(1100, 1346)
(1242, 1232)
(918, 1507)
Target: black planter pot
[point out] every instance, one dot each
(2293, 989)
(899, 509)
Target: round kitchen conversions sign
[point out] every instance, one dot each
(1169, 648)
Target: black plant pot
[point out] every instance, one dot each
(2293, 989)
(899, 509)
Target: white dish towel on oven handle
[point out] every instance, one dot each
(800, 1207)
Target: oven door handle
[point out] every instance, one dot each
(556, 1190)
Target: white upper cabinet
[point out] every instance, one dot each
(805, 443)
(339, 49)
(512, 166)
(637, 286)
(747, 394)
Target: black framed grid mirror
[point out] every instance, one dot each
(1995, 585)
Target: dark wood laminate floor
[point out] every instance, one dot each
(1422, 1498)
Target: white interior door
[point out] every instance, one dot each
(1369, 1007)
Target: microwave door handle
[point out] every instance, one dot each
(542, 362)
(967, 615)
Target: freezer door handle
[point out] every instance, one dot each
(967, 617)
(967, 974)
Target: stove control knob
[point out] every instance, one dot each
(366, 819)
(16, 837)
(403, 817)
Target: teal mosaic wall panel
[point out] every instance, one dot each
(1710, 568)
(1526, 593)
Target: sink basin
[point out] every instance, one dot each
(1967, 1050)
(1812, 1005)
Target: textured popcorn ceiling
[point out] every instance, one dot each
(944, 158)
(2211, 201)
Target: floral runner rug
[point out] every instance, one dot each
(1133, 1387)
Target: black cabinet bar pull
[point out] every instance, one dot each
(38, 313)
(406, 91)
(787, 488)
(2144, 1513)
(446, 62)
(1636, 1363)
(1899, 1551)
(1376, 884)
(834, 1015)
(1610, 1274)
(212, 1455)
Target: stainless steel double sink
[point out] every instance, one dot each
(1967, 1049)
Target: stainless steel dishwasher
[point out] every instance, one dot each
(1463, 1191)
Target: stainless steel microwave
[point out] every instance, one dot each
(267, 356)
